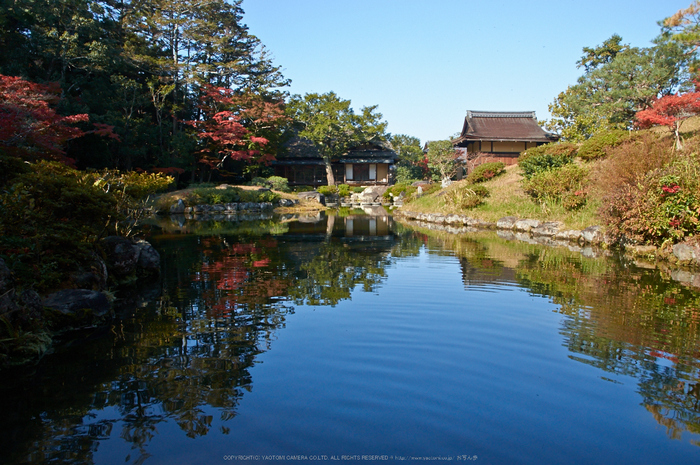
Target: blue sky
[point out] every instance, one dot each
(425, 63)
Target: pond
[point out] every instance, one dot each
(358, 339)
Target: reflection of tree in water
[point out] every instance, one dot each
(338, 267)
(186, 360)
(629, 322)
(618, 318)
(671, 399)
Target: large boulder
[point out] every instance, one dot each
(570, 235)
(77, 308)
(91, 275)
(120, 255)
(507, 222)
(312, 195)
(547, 229)
(178, 207)
(370, 195)
(525, 225)
(593, 235)
(126, 259)
(148, 263)
(687, 253)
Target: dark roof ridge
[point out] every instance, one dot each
(500, 114)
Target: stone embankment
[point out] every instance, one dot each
(546, 233)
(243, 211)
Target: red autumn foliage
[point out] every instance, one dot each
(104, 130)
(670, 111)
(234, 126)
(29, 126)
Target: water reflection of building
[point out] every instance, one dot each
(487, 271)
(357, 226)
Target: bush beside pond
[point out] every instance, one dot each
(53, 218)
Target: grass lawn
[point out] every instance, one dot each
(508, 199)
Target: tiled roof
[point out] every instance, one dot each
(374, 151)
(503, 126)
(369, 156)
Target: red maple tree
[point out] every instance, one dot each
(234, 126)
(29, 125)
(670, 111)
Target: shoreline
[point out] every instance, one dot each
(685, 255)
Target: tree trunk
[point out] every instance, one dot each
(677, 132)
(329, 226)
(329, 173)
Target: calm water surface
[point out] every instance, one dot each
(341, 340)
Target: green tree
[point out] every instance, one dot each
(441, 157)
(619, 81)
(137, 65)
(684, 28)
(186, 46)
(331, 124)
(411, 163)
(593, 58)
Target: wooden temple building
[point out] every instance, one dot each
(489, 136)
(367, 164)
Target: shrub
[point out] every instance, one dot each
(598, 145)
(562, 149)
(431, 188)
(279, 183)
(410, 190)
(467, 196)
(574, 200)
(399, 188)
(212, 195)
(541, 163)
(662, 205)
(546, 157)
(260, 182)
(555, 184)
(343, 190)
(485, 171)
(533, 152)
(10, 168)
(327, 190)
(258, 196)
(131, 184)
(302, 188)
(631, 160)
(51, 216)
